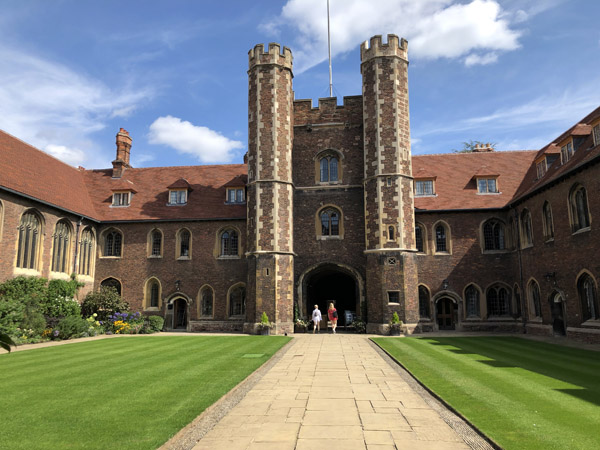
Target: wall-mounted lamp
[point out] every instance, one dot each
(177, 285)
(445, 284)
(551, 277)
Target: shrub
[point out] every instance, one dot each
(125, 323)
(395, 318)
(20, 297)
(71, 327)
(155, 323)
(59, 301)
(104, 303)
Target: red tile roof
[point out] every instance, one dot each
(455, 185)
(29, 171)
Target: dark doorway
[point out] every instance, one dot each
(445, 313)
(113, 283)
(180, 314)
(558, 318)
(327, 285)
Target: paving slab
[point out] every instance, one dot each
(335, 392)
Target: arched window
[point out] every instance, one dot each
(113, 243)
(86, 252)
(229, 243)
(424, 311)
(61, 246)
(155, 244)
(391, 233)
(526, 229)
(184, 238)
(498, 301)
(517, 296)
(535, 304)
(441, 239)
(493, 235)
(548, 222)
(472, 301)
(112, 283)
(328, 168)
(587, 296)
(206, 301)
(237, 301)
(152, 294)
(580, 216)
(330, 222)
(30, 230)
(420, 238)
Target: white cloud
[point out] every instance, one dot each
(434, 28)
(206, 145)
(475, 59)
(52, 106)
(73, 156)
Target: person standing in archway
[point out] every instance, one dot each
(333, 316)
(316, 318)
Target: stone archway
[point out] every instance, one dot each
(327, 283)
(447, 311)
(177, 314)
(557, 309)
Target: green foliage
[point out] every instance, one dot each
(6, 342)
(155, 323)
(72, 327)
(60, 299)
(104, 302)
(20, 298)
(264, 319)
(469, 147)
(395, 319)
(359, 326)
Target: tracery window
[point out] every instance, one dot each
(237, 301)
(424, 310)
(29, 241)
(580, 216)
(206, 302)
(472, 301)
(588, 298)
(330, 222)
(328, 166)
(493, 235)
(60, 247)
(535, 304)
(526, 229)
(498, 301)
(229, 243)
(86, 252)
(113, 242)
(548, 222)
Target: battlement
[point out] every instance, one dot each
(258, 56)
(375, 48)
(328, 111)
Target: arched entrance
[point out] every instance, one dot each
(446, 313)
(177, 314)
(331, 283)
(558, 314)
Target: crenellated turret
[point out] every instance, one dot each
(270, 189)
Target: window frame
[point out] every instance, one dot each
(423, 238)
(61, 247)
(178, 245)
(424, 302)
(497, 288)
(87, 253)
(201, 291)
(121, 199)
(497, 227)
(229, 254)
(578, 209)
(422, 182)
(148, 291)
(151, 244)
(117, 282)
(534, 300)
(178, 193)
(526, 229)
(566, 151)
(230, 305)
(547, 221)
(237, 192)
(487, 181)
(393, 295)
(447, 235)
(30, 241)
(105, 235)
(596, 134)
(467, 301)
(329, 209)
(586, 313)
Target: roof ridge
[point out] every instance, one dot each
(171, 167)
(475, 153)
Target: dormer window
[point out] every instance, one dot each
(424, 188)
(596, 134)
(178, 197)
(235, 195)
(566, 151)
(121, 198)
(542, 168)
(487, 186)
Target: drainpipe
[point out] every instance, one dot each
(75, 255)
(523, 291)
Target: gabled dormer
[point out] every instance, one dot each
(179, 192)
(424, 180)
(596, 131)
(486, 180)
(123, 191)
(235, 190)
(572, 140)
(545, 159)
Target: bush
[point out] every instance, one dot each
(59, 301)
(20, 298)
(71, 327)
(155, 323)
(105, 303)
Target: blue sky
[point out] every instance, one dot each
(513, 72)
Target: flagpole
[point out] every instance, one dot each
(329, 46)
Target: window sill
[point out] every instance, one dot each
(329, 238)
(549, 240)
(592, 323)
(155, 257)
(535, 320)
(110, 257)
(21, 271)
(184, 258)
(328, 183)
(176, 204)
(85, 278)
(236, 203)
(489, 193)
(206, 318)
(59, 276)
(152, 308)
(581, 230)
(119, 206)
(238, 317)
(473, 319)
(229, 257)
(495, 252)
(425, 195)
(504, 318)
(442, 253)
(394, 303)
(525, 247)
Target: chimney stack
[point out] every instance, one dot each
(123, 150)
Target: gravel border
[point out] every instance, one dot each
(188, 437)
(472, 436)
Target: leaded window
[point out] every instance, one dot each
(237, 301)
(184, 244)
(112, 243)
(330, 222)
(154, 294)
(498, 300)
(526, 229)
(156, 238)
(419, 239)
(493, 235)
(328, 166)
(206, 302)
(548, 221)
(534, 296)
(229, 243)
(29, 241)
(178, 197)
(424, 302)
(86, 249)
(441, 242)
(423, 188)
(472, 301)
(596, 132)
(588, 298)
(487, 186)
(579, 208)
(60, 247)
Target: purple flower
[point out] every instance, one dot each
(55, 333)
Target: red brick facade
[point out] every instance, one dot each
(328, 215)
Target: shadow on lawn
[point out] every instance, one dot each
(574, 366)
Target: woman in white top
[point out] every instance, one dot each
(316, 318)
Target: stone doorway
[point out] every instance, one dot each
(331, 284)
(180, 314)
(446, 313)
(558, 316)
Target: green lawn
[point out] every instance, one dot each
(125, 393)
(522, 394)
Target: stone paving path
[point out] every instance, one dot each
(331, 392)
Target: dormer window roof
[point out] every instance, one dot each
(178, 192)
(487, 181)
(122, 192)
(425, 187)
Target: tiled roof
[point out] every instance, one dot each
(455, 185)
(31, 172)
(206, 199)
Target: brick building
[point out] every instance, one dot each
(329, 206)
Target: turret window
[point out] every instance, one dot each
(329, 168)
(330, 222)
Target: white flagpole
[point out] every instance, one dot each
(329, 45)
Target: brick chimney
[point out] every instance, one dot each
(123, 149)
(482, 148)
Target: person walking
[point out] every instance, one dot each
(333, 316)
(316, 318)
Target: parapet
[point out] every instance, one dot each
(375, 48)
(258, 56)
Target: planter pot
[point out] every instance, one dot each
(265, 331)
(298, 329)
(395, 331)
